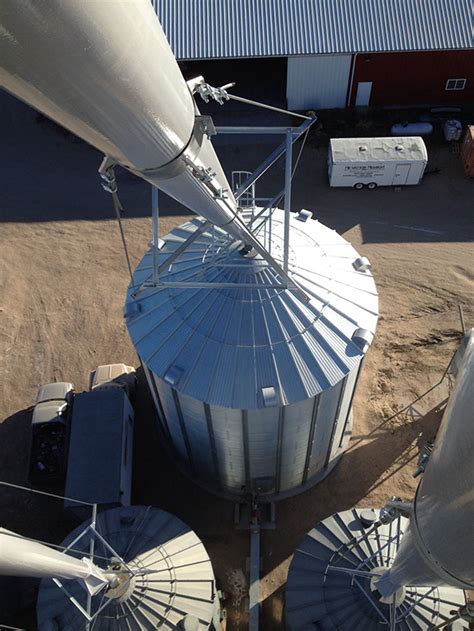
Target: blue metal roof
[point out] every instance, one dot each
(206, 29)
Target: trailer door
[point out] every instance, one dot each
(401, 174)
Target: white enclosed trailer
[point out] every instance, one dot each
(372, 162)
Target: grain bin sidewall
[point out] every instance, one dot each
(223, 450)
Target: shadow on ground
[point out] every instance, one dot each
(50, 175)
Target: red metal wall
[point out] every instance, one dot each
(415, 78)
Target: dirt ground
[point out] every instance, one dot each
(62, 285)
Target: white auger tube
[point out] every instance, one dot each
(105, 71)
(23, 557)
(438, 547)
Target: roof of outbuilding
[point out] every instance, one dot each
(263, 28)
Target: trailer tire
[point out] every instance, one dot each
(372, 186)
(359, 186)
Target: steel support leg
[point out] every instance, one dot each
(254, 589)
(288, 176)
(155, 216)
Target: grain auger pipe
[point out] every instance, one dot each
(24, 557)
(106, 72)
(437, 547)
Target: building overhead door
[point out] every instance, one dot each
(317, 81)
(401, 174)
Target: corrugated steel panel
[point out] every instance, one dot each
(248, 456)
(249, 28)
(230, 447)
(221, 346)
(327, 417)
(318, 598)
(179, 580)
(318, 81)
(296, 432)
(217, 337)
(344, 411)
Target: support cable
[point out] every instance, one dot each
(118, 212)
(221, 95)
(109, 184)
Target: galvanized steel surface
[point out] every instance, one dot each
(254, 386)
(178, 578)
(320, 597)
(275, 452)
(222, 346)
(79, 64)
(22, 557)
(262, 28)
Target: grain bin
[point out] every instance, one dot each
(170, 580)
(254, 385)
(409, 565)
(329, 584)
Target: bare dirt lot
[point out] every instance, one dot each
(62, 285)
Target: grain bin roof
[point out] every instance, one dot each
(211, 29)
(224, 345)
(174, 575)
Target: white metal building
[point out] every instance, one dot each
(335, 53)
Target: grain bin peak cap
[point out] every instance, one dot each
(225, 345)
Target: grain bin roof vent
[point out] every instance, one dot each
(161, 243)
(270, 397)
(304, 215)
(361, 264)
(132, 309)
(173, 375)
(362, 338)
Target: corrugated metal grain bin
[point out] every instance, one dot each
(467, 151)
(254, 386)
(172, 588)
(321, 592)
(373, 162)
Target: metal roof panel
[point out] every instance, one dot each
(248, 28)
(230, 343)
